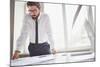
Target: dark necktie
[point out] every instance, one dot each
(36, 30)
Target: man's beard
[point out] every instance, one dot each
(35, 17)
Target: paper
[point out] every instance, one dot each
(31, 60)
(57, 58)
(80, 58)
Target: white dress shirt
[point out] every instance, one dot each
(28, 29)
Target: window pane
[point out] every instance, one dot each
(55, 13)
(78, 36)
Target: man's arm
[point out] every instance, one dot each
(49, 33)
(22, 39)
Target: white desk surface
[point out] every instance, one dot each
(49, 59)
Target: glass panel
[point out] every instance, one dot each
(78, 35)
(56, 17)
(79, 31)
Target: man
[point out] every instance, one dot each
(37, 26)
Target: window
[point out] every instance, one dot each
(79, 38)
(67, 37)
(56, 17)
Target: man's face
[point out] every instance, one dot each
(34, 11)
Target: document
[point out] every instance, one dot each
(57, 58)
(31, 60)
(81, 58)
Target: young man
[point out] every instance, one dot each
(36, 25)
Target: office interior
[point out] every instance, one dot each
(73, 27)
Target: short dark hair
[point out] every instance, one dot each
(37, 4)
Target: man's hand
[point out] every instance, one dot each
(16, 55)
(53, 51)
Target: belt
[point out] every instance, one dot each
(38, 43)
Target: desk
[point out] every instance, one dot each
(58, 58)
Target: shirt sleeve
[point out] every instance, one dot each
(23, 36)
(49, 32)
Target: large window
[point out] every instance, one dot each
(68, 34)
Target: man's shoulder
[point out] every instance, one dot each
(27, 16)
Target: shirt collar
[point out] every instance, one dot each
(39, 16)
